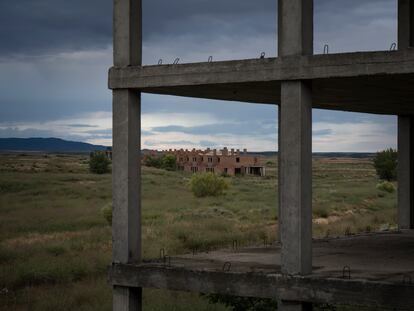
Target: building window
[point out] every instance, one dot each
(237, 160)
(188, 159)
(225, 170)
(194, 159)
(210, 169)
(218, 160)
(202, 159)
(210, 159)
(194, 169)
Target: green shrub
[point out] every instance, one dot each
(168, 162)
(153, 161)
(98, 163)
(106, 212)
(385, 163)
(386, 186)
(320, 211)
(237, 303)
(207, 184)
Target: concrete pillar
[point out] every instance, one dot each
(295, 36)
(405, 172)
(405, 24)
(296, 177)
(295, 182)
(126, 223)
(405, 127)
(295, 27)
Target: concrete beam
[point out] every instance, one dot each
(406, 172)
(345, 65)
(126, 226)
(335, 291)
(374, 82)
(405, 24)
(295, 190)
(295, 27)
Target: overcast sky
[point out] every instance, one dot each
(55, 54)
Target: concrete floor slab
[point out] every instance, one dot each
(381, 272)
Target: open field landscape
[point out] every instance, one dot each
(55, 243)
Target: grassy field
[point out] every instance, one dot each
(55, 244)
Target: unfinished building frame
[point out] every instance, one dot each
(297, 81)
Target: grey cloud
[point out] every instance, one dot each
(170, 142)
(322, 132)
(42, 26)
(251, 128)
(81, 125)
(45, 26)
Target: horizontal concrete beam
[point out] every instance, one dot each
(373, 82)
(264, 70)
(261, 285)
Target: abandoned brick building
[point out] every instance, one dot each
(223, 161)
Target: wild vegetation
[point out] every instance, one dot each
(98, 163)
(385, 163)
(208, 184)
(166, 162)
(55, 242)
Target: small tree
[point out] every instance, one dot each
(385, 163)
(168, 162)
(98, 163)
(153, 161)
(207, 184)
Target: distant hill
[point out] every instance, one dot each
(45, 145)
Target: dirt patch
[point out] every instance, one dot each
(38, 238)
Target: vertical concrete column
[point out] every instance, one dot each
(405, 172)
(405, 127)
(296, 177)
(295, 27)
(405, 24)
(295, 36)
(126, 224)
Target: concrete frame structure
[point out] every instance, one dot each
(376, 82)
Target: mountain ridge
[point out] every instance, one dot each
(51, 144)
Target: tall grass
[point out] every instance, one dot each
(55, 244)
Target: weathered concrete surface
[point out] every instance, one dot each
(295, 27)
(377, 82)
(126, 224)
(344, 65)
(295, 187)
(378, 264)
(127, 39)
(405, 172)
(405, 24)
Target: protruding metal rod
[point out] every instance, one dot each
(227, 266)
(346, 272)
